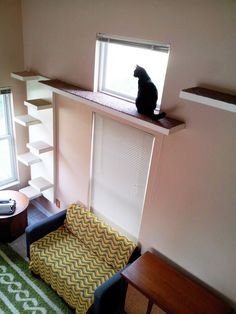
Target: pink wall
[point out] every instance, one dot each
(73, 137)
(11, 59)
(190, 212)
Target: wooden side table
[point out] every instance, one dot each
(172, 290)
(12, 226)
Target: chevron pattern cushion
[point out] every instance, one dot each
(66, 264)
(112, 247)
(79, 256)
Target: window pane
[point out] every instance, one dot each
(119, 62)
(8, 172)
(5, 161)
(2, 117)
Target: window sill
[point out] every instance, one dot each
(115, 106)
(10, 185)
(210, 98)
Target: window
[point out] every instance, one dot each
(121, 161)
(7, 151)
(117, 58)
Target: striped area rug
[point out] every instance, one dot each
(21, 292)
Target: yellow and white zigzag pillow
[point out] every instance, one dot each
(112, 247)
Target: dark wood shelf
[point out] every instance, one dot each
(210, 97)
(25, 75)
(115, 106)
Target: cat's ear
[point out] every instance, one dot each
(136, 71)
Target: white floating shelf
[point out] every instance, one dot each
(38, 104)
(114, 106)
(40, 184)
(25, 75)
(28, 159)
(30, 192)
(26, 120)
(210, 98)
(39, 147)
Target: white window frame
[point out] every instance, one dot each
(9, 135)
(100, 61)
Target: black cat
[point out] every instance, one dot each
(147, 94)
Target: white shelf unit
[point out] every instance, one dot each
(39, 147)
(26, 120)
(38, 104)
(25, 75)
(40, 122)
(28, 159)
(30, 192)
(40, 184)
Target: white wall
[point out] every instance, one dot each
(190, 212)
(11, 59)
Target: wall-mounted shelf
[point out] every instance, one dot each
(114, 106)
(40, 184)
(26, 120)
(40, 109)
(25, 75)
(38, 104)
(28, 159)
(30, 192)
(39, 147)
(210, 97)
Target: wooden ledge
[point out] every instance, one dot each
(115, 106)
(210, 97)
(25, 75)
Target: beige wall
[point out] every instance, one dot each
(190, 212)
(11, 59)
(73, 138)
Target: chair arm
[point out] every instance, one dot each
(43, 227)
(110, 296)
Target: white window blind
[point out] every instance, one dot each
(121, 160)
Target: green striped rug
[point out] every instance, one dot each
(21, 292)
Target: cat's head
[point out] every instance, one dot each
(139, 71)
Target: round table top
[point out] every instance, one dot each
(21, 199)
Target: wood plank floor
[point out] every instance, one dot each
(34, 215)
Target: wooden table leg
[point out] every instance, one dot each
(149, 308)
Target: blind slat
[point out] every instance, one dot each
(133, 43)
(121, 162)
(4, 91)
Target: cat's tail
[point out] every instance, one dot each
(159, 116)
